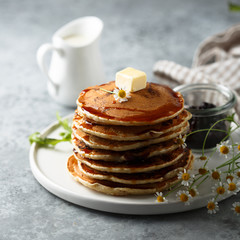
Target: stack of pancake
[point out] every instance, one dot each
(133, 147)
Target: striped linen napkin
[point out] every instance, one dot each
(217, 60)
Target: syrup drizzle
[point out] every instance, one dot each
(100, 109)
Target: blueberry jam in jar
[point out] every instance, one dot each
(208, 104)
(195, 141)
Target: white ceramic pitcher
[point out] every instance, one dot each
(76, 62)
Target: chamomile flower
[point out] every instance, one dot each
(193, 191)
(184, 196)
(230, 176)
(238, 146)
(219, 188)
(236, 208)
(121, 95)
(233, 186)
(238, 174)
(203, 158)
(224, 148)
(203, 170)
(181, 140)
(216, 174)
(160, 197)
(185, 177)
(212, 206)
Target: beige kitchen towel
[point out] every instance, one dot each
(217, 60)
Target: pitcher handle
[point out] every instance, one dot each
(41, 53)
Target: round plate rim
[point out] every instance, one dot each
(139, 208)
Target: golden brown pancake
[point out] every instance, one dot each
(138, 165)
(151, 105)
(130, 133)
(140, 177)
(101, 143)
(130, 155)
(118, 189)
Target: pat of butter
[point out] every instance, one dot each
(131, 79)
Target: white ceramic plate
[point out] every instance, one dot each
(49, 166)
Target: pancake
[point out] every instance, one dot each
(138, 165)
(118, 189)
(130, 155)
(131, 147)
(151, 105)
(130, 133)
(100, 143)
(142, 177)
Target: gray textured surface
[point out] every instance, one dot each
(136, 33)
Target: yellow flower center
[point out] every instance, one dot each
(202, 171)
(237, 209)
(224, 150)
(122, 93)
(183, 197)
(238, 174)
(160, 199)
(220, 190)
(238, 147)
(229, 177)
(203, 158)
(185, 176)
(211, 205)
(192, 192)
(180, 141)
(215, 175)
(232, 186)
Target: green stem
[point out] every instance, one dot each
(229, 161)
(215, 198)
(195, 180)
(209, 158)
(173, 190)
(204, 130)
(202, 181)
(236, 168)
(205, 139)
(106, 90)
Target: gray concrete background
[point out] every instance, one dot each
(137, 33)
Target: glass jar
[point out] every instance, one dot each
(208, 104)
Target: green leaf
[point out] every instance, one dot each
(65, 136)
(234, 7)
(230, 118)
(64, 123)
(35, 137)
